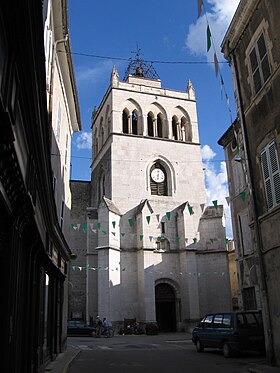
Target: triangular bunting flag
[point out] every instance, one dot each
(158, 215)
(168, 215)
(242, 196)
(190, 210)
(194, 240)
(150, 237)
(202, 206)
(228, 200)
(104, 231)
(148, 218)
(141, 237)
(177, 239)
(222, 87)
(208, 38)
(216, 64)
(84, 228)
(130, 221)
(98, 226)
(122, 234)
(215, 203)
(199, 7)
(113, 233)
(78, 226)
(114, 224)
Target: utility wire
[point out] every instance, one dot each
(149, 61)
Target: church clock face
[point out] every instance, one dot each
(157, 175)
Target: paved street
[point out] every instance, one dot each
(168, 353)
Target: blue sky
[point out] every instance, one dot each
(166, 32)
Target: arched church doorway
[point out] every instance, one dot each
(165, 307)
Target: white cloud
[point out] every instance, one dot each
(216, 184)
(219, 16)
(84, 140)
(93, 74)
(207, 153)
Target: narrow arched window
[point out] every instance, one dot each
(134, 122)
(101, 187)
(102, 136)
(150, 125)
(125, 122)
(159, 125)
(174, 128)
(158, 180)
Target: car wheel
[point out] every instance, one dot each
(92, 334)
(199, 346)
(227, 351)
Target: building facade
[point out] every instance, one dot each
(252, 149)
(147, 246)
(34, 254)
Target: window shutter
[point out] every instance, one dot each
(259, 63)
(271, 174)
(267, 180)
(255, 70)
(263, 58)
(275, 171)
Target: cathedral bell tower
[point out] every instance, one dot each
(147, 190)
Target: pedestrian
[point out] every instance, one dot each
(98, 326)
(106, 325)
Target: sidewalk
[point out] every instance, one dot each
(63, 360)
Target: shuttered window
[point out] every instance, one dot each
(259, 63)
(271, 174)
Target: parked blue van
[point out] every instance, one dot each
(230, 332)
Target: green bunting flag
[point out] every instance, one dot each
(168, 215)
(177, 239)
(114, 224)
(190, 210)
(104, 231)
(98, 226)
(122, 234)
(130, 220)
(84, 228)
(243, 196)
(148, 218)
(194, 240)
(215, 203)
(208, 38)
(141, 237)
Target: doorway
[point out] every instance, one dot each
(165, 307)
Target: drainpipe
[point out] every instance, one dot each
(265, 302)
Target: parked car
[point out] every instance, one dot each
(230, 331)
(80, 328)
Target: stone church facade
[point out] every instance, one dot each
(147, 247)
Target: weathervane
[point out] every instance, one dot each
(139, 67)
